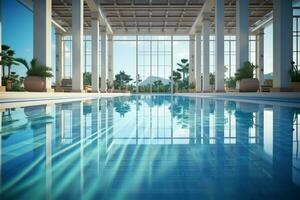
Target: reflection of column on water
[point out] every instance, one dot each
(191, 121)
(103, 106)
(96, 127)
(296, 147)
(198, 118)
(110, 120)
(260, 125)
(78, 132)
(205, 120)
(49, 112)
(282, 146)
(220, 151)
(1, 113)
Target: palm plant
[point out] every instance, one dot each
(8, 59)
(37, 69)
(184, 67)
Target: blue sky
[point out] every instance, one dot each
(17, 30)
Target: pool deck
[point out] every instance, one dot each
(10, 99)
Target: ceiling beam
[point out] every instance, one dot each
(207, 8)
(95, 7)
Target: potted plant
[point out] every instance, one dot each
(36, 77)
(192, 87)
(230, 84)
(244, 78)
(109, 86)
(295, 77)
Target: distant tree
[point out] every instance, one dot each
(121, 80)
(184, 67)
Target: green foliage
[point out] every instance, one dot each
(87, 78)
(246, 71)
(36, 69)
(231, 82)
(8, 60)
(212, 78)
(184, 67)
(121, 80)
(294, 73)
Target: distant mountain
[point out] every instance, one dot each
(151, 79)
(268, 76)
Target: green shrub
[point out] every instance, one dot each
(36, 69)
(246, 71)
(294, 73)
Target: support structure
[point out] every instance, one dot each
(95, 51)
(205, 33)
(172, 80)
(242, 33)
(192, 60)
(198, 62)
(260, 55)
(59, 58)
(103, 60)
(42, 34)
(219, 50)
(1, 87)
(137, 63)
(282, 43)
(77, 45)
(110, 59)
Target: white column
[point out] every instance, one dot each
(42, 34)
(282, 43)
(242, 33)
(137, 63)
(198, 62)
(172, 51)
(205, 33)
(77, 45)
(0, 46)
(219, 46)
(192, 60)
(95, 52)
(59, 58)
(260, 55)
(110, 59)
(103, 60)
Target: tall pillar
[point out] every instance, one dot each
(192, 60)
(282, 43)
(59, 58)
(242, 33)
(42, 34)
(205, 33)
(198, 62)
(95, 52)
(103, 60)
(110, 59)
(219, 50)
(260, 55)
(1, 88)
(77, 45)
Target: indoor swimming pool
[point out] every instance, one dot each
(150, 147)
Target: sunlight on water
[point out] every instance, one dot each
(143, 147)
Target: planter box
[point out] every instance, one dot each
(295, 86)
(35, 84)
(248, 85)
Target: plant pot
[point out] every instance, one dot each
(35, 84)
(295, 86)
(9, 85)
(248, 85)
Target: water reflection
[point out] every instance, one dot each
(148, 146)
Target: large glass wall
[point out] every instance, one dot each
(149, 57)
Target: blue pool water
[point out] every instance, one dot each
(150, 147)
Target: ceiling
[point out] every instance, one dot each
(156, 16)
